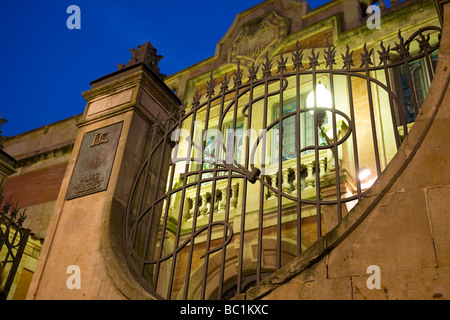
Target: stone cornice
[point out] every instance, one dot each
(45, 154)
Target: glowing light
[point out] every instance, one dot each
(364, 174)
(323, 98)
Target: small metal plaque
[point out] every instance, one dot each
(95, 160)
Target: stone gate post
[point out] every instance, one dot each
(81, 253)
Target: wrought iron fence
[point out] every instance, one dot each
(244, 179)
(13, 240)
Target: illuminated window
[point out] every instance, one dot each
(421, 81)
(289, 131)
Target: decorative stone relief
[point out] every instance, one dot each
(146, 54)
(257, 38)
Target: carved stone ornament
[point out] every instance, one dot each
(89, 184)
(257, 38)
(146, 54)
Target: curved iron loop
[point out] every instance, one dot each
(191, 239)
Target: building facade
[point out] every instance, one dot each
(201, 184)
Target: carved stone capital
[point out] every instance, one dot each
(146, 54)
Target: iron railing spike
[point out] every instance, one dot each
(210, 86)
(253, 71)
(238, 74)
(366, 59)
(267, 66)
(384, 53)
(330, 54)
(347, 59)
(225, 82)
(297, 57)
(314, 60)
(282, 64)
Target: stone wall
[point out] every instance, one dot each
(401, 226)
(42, 155)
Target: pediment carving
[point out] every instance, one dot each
(257, 38)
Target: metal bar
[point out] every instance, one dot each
(428, 63)
(147, 164)
(335, 146)
(211, 208)
(280, 172)
(163, 229)
(155, 194)
(403, 117)
(372, 121)
(16, 261)
(261, 195)
(299, 164)
(166, 211)
(180, 211)
(191, 248)
(411, 87)
(11, 245)
(213, 196)
(391, 104)
(222, 264)
(194, 222)
(244, 190)
(316, 155)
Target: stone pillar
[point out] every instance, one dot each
(86, 227)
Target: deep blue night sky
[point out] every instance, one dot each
(45, 66)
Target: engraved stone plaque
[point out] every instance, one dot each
(95, 160)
